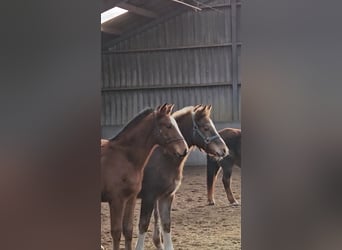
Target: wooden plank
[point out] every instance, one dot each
(137, 10)
(161, 86)
(170, 48)
(110, 30)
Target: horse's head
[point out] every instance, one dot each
(205, 135)
(168, 133)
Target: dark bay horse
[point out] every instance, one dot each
(163, 172)
(232, 138)
(122, 164)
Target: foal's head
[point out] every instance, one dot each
(205, 135)
(168, 134)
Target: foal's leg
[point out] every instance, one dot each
(227, 166)
(128, 222)
(165, 217)
(157, 237)
(212, 170)
(144, 221)
(116, 216)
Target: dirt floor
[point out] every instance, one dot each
(195, 225)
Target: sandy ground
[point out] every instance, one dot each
(195, 225)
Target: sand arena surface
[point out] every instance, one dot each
(195, 225)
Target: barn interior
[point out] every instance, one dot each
(182, 52)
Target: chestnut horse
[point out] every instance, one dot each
(122, 163)
(232, 138)
(163, 172)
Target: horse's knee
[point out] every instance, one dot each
(116, 233)
(128, 232)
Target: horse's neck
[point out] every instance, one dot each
(186, 127)
(139, 141)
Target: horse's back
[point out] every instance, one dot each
(232, 138)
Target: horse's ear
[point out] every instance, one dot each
(161, 107)
(170, 108)
(166, 109)
(207, 110)
(197, 107)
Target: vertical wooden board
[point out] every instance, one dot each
(124, 112)
(118, 104)
(197, 68)
(143, 61)
(157, 69)
(104, 74)
(202, 65)
(126, 72)
(134, 102)
(108, 110)
(139, 69)
(134, 70)
(167, 34)
(190, 61)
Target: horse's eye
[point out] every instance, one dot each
(206, 128)
(169, 126)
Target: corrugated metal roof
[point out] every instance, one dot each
(141, 12)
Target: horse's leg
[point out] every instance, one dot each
(116, 216)
(212, 170)
(128, 222)
(144, 221)
(227, 166)
(165, 217)
(157, 237)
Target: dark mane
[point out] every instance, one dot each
(134, 121)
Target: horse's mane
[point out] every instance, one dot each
(133, 122)
(182, 111)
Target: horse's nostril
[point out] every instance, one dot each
(183, 154)
(224, 151)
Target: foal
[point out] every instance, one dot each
(122, 163)
(232, 138)
(163, 172)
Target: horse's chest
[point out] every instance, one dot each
(173, 187)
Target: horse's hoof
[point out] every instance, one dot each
(235, 204)
(211, 202)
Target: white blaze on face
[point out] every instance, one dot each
(140, 242)
(174, 123)
(214, 128)
(167, 241)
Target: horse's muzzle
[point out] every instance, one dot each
(183, 154)
(224, 152)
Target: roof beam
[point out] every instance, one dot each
(137, 10)
(110, 30)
